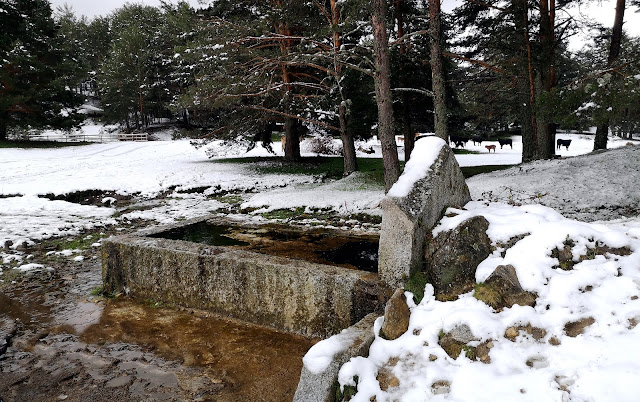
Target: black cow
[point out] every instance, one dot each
(478, 139)
(505, 142)
(563, 143)
(459, 141)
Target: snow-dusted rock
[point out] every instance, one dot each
(453, 256)
(431, 181)
(323, 361)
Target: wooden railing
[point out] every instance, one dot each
(133, 137)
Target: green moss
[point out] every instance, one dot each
(97, 291)
(416, 285)
(487, 294)
(348, 392)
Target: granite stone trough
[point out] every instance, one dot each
(309, 282)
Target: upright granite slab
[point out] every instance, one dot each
(431, 181)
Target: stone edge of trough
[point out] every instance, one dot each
(321, 387)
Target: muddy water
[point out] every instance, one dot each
(250, 362)
(314, 246)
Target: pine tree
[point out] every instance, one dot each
(34, 91)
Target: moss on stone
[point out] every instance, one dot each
(488, 295)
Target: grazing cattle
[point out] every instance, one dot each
(478, 139)
(459, 141)
(563, 143)
(507, 141)
(490, 147)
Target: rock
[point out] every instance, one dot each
(502, 289)
(8, 330)
(576, 328)
(387, 379)
(440, 387)
(407, 218)
(553, 341)
(7, 245)
(455, 342)
(396, 316)
(453, 256)
(482, 351)
(322, 386)
(537, 333)
(564, 255)
(462, 333)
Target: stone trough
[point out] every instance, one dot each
(303, 281)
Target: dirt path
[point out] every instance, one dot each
(63, 343)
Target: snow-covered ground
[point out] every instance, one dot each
(601, 364)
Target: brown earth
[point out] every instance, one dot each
(66, 344)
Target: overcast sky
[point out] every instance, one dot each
(92, 8)
(602, 11)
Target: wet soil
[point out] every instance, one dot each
(63, 343)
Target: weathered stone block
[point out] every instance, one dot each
(396, 316)
(452, 257)
(320, 385)
(502, 289)
(411, 211)
(292, 295)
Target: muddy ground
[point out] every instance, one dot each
(61, 340)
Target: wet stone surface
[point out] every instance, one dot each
(63, 343)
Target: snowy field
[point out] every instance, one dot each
(602, 364)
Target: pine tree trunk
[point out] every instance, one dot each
(3, 129)
(526, 85)
(547, 129)
(405, 118)
(602, 132)
(437, 72)
(292, 134)
(383, 95)
(348, 145)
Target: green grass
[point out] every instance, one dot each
(469, 171)
(79, 243)
(459, 151)
(39, 144)
(329, 167)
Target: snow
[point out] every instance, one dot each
(600, 364)
(423, 156)
(592, 199)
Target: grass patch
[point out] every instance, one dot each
(348, 392)
(229, 199)
(326, 166)
(39, 144)
(416, 285)
(469, 171)
(79, 243)
(460, 151)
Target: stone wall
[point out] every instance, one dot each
(291, 295)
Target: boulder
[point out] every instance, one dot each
(396, 316)
(452, 257)
(319, 377)
(502, 289)
(8, 330)
(431, 182)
